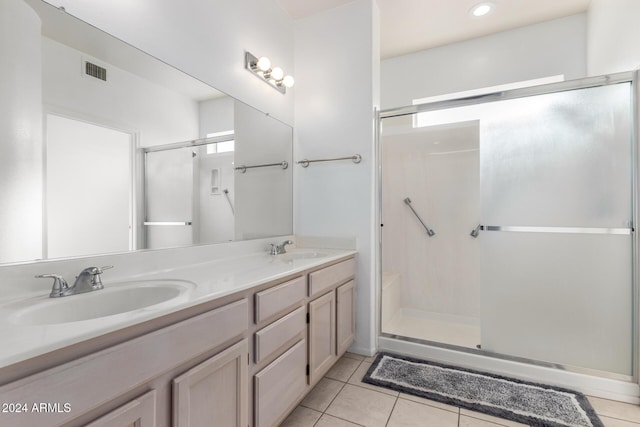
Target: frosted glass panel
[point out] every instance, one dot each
(561, 298)
(561, 159)
(169, 177)
(558, 160)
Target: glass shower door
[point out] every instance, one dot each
(556, 206)
(169, 197)
(430, 204)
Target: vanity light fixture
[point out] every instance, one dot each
(261, 68)
(481, 9)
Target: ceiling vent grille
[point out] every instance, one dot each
(96, 71)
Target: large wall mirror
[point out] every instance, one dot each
(106, 149)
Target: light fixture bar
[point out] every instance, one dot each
(274, 76)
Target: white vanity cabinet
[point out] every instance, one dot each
(131, 381)
(331, 316)
(280, 350)
(279, 386)
(139, 412)
(303, 326)
(243, 360)
(345, 316)
(322, 336)
(213, 392)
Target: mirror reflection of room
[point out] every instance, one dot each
(86, 119)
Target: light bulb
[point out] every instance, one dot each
(481, 9)
(288, 81)
(277, 73)
(264, 63)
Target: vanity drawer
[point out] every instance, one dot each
(331, 276)
(278, 298)
(279, 385)
(278, 333)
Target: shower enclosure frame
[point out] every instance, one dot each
(143, 236)
(604, 384)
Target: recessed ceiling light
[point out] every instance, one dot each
(481, 9)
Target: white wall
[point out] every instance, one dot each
(216, 115)
(541, 50)
(613, 36)
(20, 133)
(206, 39)
(336, 75)
(126, 101)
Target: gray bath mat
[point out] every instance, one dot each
(528, 403)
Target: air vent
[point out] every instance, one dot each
(96, 71)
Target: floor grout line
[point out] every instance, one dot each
(391, 413)
(334, 397)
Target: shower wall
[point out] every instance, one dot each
(215, 216)
(438, 169)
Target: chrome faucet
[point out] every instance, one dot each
(88, 280)
(280, 249)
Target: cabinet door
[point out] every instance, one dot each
(322, 335)
(140, 412)
(214, 392)
(279, 385)
(346, 319)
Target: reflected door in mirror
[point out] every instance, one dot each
(88, 188)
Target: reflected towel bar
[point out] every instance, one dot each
(357, 158)
(243, 168)
(167, 223)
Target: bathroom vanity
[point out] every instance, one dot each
(242, 346)
(186, 334)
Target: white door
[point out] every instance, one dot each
(88, 188)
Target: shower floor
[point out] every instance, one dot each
(443, 328)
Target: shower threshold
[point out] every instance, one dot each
(436, 327)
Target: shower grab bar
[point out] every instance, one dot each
(430, 231)
(357, 158)
(474, 233)
(566, 230)
(226, 194)
(167, 223)
(243, 168)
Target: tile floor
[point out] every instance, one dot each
(340, 399)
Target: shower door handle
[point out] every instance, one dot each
(474, 233)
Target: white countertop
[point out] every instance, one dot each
(208, 281)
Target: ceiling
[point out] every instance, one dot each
(412, 25)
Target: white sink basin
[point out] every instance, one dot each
(301, 254)
(113, 299)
